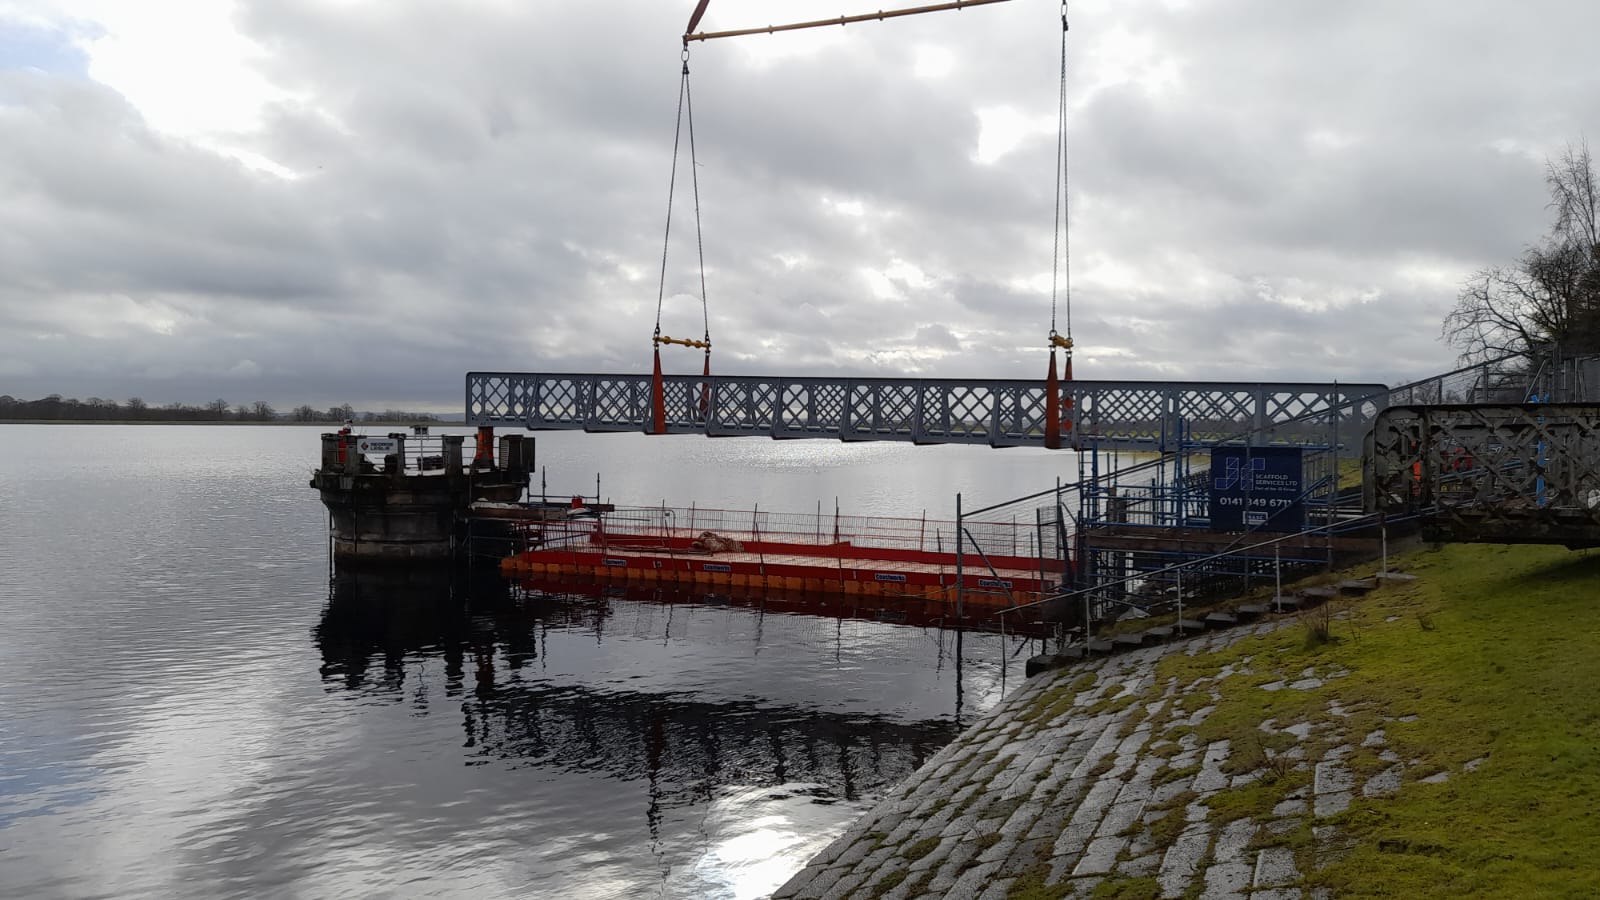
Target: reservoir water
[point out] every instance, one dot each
(192, 704)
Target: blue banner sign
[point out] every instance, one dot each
(1256, 488)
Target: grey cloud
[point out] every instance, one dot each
(485, 189)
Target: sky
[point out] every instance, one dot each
(329, 201)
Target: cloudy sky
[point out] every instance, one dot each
(360, 200)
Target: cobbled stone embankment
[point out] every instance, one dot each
(1096, 773)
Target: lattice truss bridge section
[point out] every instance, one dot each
(1134, 415)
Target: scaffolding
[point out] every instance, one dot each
(1138, 528)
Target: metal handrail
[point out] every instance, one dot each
(1329, 529)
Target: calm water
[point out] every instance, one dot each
(191, 707)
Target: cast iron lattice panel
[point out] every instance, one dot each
(559, 400)
(882, 411)
(810, 408)
(1027, 413)
(744, 406)
(614, 401)
(1133, 416)
(688, 403)
(1294, 405)
(1519, 473)
(962, 413)
(1214, 415)
(1130, 414)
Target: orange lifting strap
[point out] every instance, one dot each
(1054, 398)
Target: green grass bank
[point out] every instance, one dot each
(1483, 676)
(1496, 652)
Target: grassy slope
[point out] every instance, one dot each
(1491, 656)
(1495, 652)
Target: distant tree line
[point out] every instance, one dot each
(345, 413)
(95, 409)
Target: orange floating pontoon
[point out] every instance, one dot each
(837, 556)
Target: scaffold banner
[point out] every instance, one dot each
(1256, 488)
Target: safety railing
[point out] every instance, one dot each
(1184, 576)
(667, 526)
(422, 453)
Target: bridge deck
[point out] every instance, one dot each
(995, 412)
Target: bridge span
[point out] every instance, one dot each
(1140, 415)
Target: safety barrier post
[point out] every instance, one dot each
(960, 539)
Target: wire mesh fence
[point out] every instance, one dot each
(663, 526)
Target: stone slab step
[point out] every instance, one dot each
(1253, 610)
(1220, 619)
(1287, 602)
(1399, 577)
(1315, 595)
(1135, 639)
(1045, 662)
(1357, 585)
(1190, 626)
(1160, 632)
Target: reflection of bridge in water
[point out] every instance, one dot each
(684, 743)
(692, 746)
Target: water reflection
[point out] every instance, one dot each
(731, 740)
(376, 620)
(899, 610)
(184, 712)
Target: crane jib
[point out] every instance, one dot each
(694, 20)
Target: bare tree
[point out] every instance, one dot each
(1549, 301)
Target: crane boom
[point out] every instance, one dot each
(694, 18)
(690, 34)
